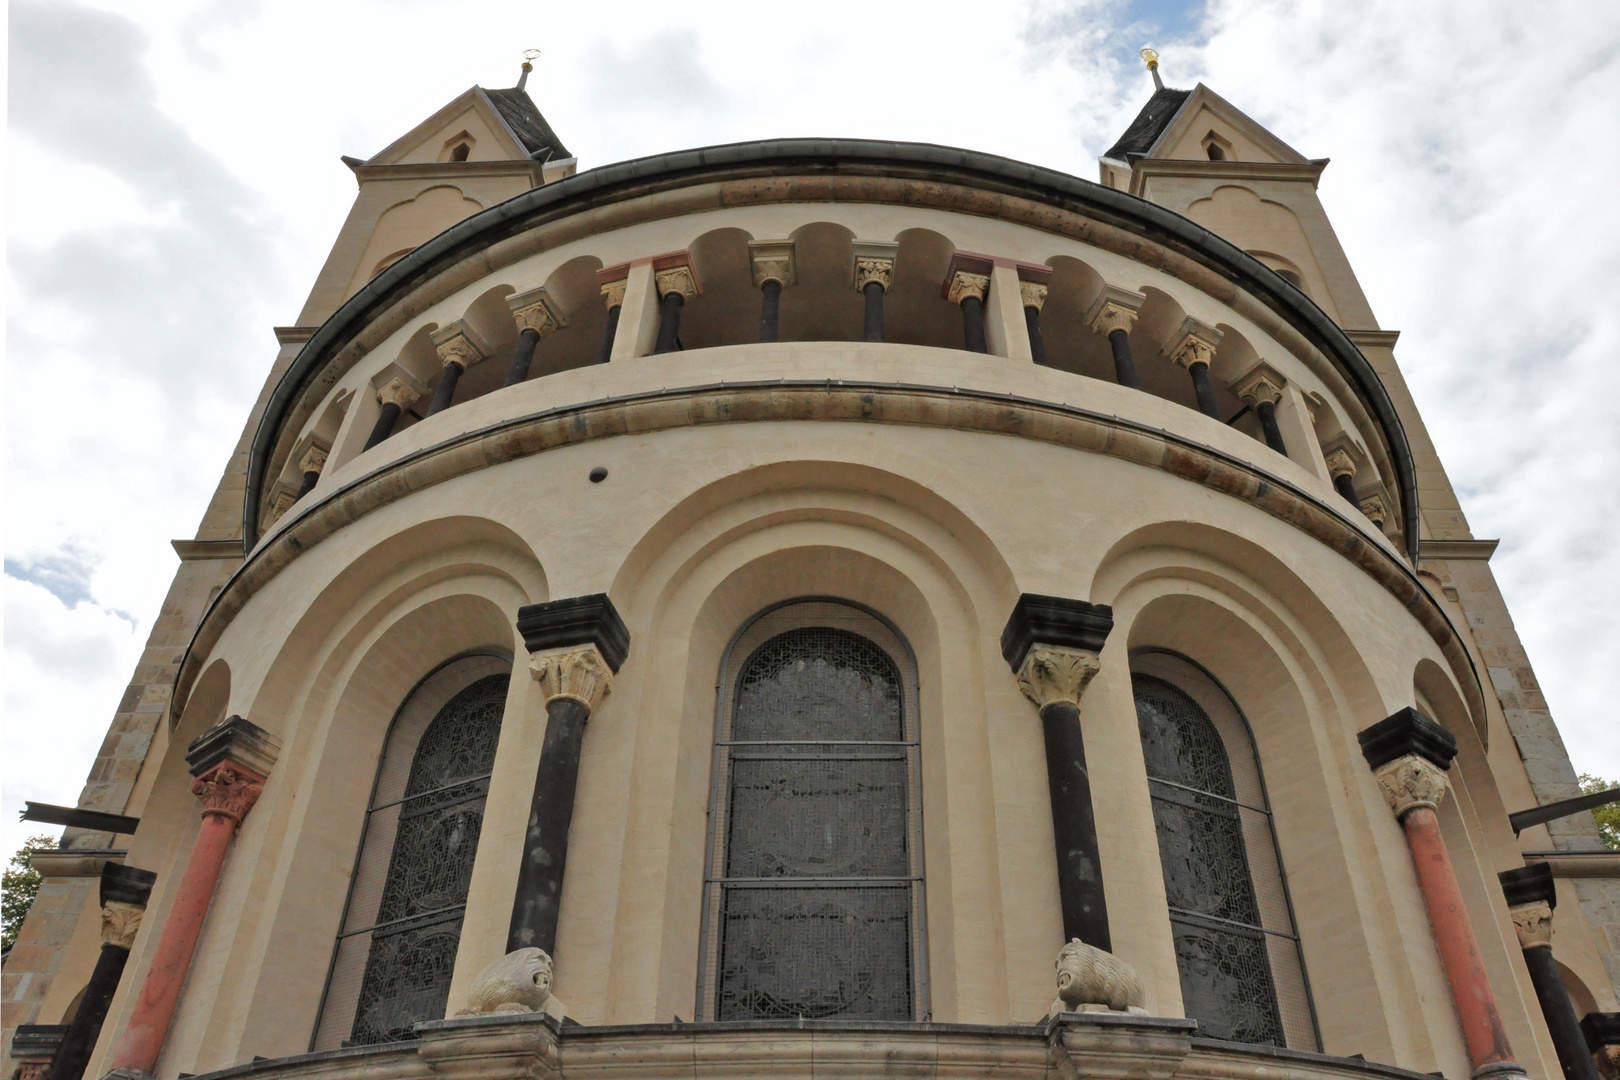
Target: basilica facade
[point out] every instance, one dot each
(816, 607)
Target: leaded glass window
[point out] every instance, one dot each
(1242, 975)
(397, 949)
(814, 897)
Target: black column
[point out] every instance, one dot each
(385, 424)
(577, 621)
(973, 324)
(770, 301)
(608, 334)
(1345, 487)
(1534, 885)
(1267, 412)
(669, 320)
(1037, 344)
(311, 478)
(1602, 1031)
(1124, 367)
(122, 885)
(522, 356)
(449, 375)
(873, 292)
(1203, 388)
(1069, 624)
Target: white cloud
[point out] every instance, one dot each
(174, 186)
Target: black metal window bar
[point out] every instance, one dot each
(813, 901)
(1235, 946)
(393, 969)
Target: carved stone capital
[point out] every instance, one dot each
(964, 285)
(1410, 782)
(1114, 309)
(314, 459)
(1340, 463)
(397, 391)
(677, 279)
(573, 671)
(228, 791)
(536, 310)
(870, 270)
(772, 260)
(1533, 924)
(1260, 385)
(1053, 673)
(460, 344)
(613, 293)
(1194, 342)
(120, 922)
(1375, 510)
(1032, 294)
(1090, 980)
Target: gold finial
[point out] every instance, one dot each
(529, 57)
(1151, 58)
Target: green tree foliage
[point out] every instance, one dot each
(1608, 817)
(18, 887)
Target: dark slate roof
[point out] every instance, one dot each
(523, 117)
(1149, 124)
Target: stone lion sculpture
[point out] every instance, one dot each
(518, 982)
(1090, 980)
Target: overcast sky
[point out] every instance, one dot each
(173, 185)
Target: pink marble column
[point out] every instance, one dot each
(229, 763)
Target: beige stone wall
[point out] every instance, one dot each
(695, 530)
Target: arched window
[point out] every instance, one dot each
(813, 902)
(397, 948)
(1242, 974)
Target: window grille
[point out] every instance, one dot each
(813, 900)
(1242, 973)
(397, 949)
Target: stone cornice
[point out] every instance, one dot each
(826, 400)
(1142, 168)
(450, 170)
(812, 171)
(188, 550)
(1452, 550)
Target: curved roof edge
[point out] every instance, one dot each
(508, 218)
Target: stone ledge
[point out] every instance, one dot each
(533, 1046)
(1578, 864)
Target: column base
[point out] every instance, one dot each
(1499, 1070)
(128, 1074)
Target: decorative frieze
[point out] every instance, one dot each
(536, 310)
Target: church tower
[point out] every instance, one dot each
(812, 605)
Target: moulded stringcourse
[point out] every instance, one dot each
(823, 400)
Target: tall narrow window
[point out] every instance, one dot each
(814, 904)
(1242, 975)
(397, 947)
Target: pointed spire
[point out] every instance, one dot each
(529, 57)
(1151, 58)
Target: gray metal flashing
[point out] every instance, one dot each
(939, 163)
